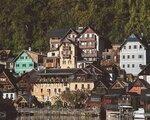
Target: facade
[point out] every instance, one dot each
(27, 61)
(55, 81)
(69, 50)
(8, 85)
(134, 52)
(91, 44)
(112, 55)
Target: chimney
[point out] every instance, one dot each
(29, 48)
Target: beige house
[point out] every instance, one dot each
(51, 91)
(53, 82)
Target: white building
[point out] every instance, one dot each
(134, 52)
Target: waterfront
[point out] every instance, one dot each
(56, 118)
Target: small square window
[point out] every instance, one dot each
(135, 47)
(23, 65)
(53, 54)
(133, 65)
(123, 66)
(140, 56)
(132, 56)
(129, 47)
(123, 56)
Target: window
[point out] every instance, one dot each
(59, 90)
(55, 90)
(135, 47)
(108, 57)
(11, 96)
(23, 65)
(82, 87)
(132, 65)
(129, 47)
(124, 47)
(128, 65)
(26, 57)
(17, 65)
(140, 46)
(123, 66)
(21, 57)
(49, 91)
(128, 56)
(140, 56)
(64, 62)
(132, 56)
(87, 35)
(76, 86)
(30, 65)
(6, 95)
(123, 56)
(41, 90)
(88, 86)
(53, 54)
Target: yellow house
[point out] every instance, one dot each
(53, 82)
(69, 50)
(51, 91)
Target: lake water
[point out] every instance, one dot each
(56, 118)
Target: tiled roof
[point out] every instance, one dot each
(57, 71)
(142, 81)
(58, 33)
(145, 71)
(133, 38)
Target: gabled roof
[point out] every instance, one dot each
(69, 31)
(119, 82)
(141, 82)
(29, 54)
(60, 33)
(145, 71)
(134, 38)
(86, 29)
(11, 78)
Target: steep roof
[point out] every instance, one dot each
(135, 38)
(58, 32)
(140, 82)
(57, 71)
(145, 71)
(29, 53)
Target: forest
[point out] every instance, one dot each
(26, 23)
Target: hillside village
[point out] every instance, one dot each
(80, 64)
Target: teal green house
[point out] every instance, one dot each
(26, 61)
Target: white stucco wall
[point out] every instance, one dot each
(136, 61)
(9, 95)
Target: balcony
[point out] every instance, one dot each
(87, 46)
(66, 47)
(87, 39)
(66, 56)
(89, 55)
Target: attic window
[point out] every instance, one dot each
(140, 46)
